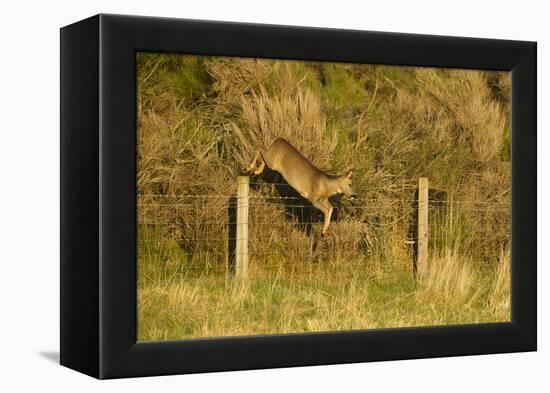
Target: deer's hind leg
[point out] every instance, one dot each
(252, 166)
(261, 167)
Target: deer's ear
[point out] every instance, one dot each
(350, 174)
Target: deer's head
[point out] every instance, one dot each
(345, 185)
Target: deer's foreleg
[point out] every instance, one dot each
(328, 215)
(327, 209)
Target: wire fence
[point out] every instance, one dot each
(199, 231)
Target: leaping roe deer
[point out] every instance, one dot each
(310, 182)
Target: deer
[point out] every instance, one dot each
(309, 181)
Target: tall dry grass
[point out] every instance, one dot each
(297, 117)
(499, 295)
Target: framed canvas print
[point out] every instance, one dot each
(239, 196)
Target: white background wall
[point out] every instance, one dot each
(29, 193)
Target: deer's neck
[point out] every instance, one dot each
(332, 185)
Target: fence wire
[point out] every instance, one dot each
(198, 232)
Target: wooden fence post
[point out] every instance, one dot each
(422, 233)
(241, 245)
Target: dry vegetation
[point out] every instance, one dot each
(200, 121)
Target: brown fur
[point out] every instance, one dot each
(308, 180)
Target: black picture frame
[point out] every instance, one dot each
(98, 196)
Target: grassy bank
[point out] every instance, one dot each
(183, 296)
